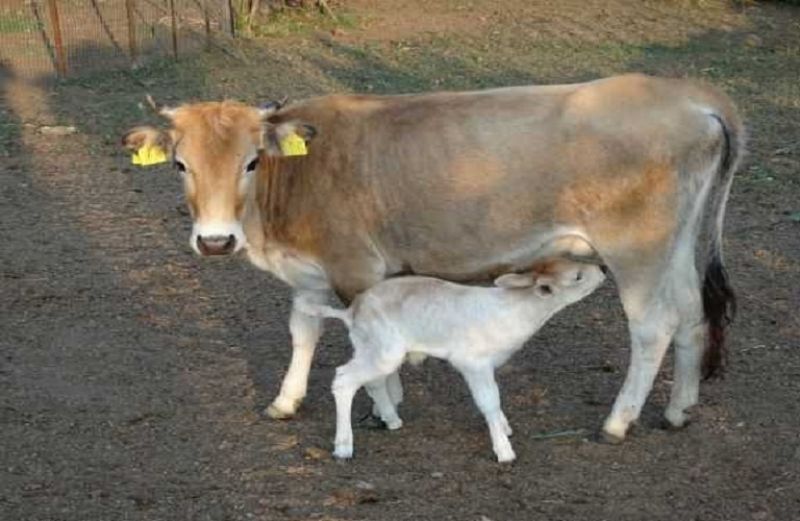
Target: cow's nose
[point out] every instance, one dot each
(216, 244)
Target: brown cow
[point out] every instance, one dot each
(468, 185)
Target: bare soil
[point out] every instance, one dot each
(133, 374)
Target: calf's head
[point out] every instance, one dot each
(563, 281)
(218, 149)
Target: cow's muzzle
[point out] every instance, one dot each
(216, 244)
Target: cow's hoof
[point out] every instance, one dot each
(282, 409)
(606, 438)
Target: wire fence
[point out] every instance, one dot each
(67, 37)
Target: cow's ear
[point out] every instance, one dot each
(288, 138)
(149, 145)
(138, 137)
(515, 280)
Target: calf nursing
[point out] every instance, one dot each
(464, 185)
(476, 329)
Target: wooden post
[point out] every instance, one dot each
(130, 8)
(174, 28)
(207, 21)
(255, 7)
(55, 22)
(231, 17)
(326, 9)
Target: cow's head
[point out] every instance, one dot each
(217, 148)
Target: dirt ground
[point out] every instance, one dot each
(133, 374)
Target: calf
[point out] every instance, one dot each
(477, 329)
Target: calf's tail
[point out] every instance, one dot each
(719, 299)
(315, 309)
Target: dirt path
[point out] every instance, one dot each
(132, 374)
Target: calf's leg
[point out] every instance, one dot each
(369, 366)
(378, 390)
(394, 387)
(484, 391)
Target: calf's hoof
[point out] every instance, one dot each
(505, 456)
(667, 424)
(372, 422)
(674, 420)
(393, 425)
(343, 452)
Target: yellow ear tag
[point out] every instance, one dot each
(149, 155)
(293, 145)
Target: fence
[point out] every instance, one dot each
(64, 37)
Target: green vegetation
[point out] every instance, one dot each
(292, 22)
(15, 22)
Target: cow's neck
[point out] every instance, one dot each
(276, 241)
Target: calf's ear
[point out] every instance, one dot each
(515, 280)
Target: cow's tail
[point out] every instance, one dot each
(719, 300)
(316, 309)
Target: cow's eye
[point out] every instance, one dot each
(252, 165)
(180, 166)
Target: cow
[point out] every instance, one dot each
(466, 186)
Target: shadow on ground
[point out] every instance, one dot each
(137, 371)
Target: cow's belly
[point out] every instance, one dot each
(484, 260)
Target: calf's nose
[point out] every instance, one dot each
(216, 244)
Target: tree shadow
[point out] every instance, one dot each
(96, 393)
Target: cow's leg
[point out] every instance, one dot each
(305, 331)
(689, 342)
(652, 320)
(484, 391)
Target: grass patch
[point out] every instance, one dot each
(16, 23)
(294, 22)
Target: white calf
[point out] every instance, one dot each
(476, 328)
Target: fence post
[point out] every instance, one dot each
(55, 22)
(207, 21)
(130, 8)
(174, 28)
(231, 17)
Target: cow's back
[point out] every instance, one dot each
(464, 184)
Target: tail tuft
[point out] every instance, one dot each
(719, 307)
(719, 300)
